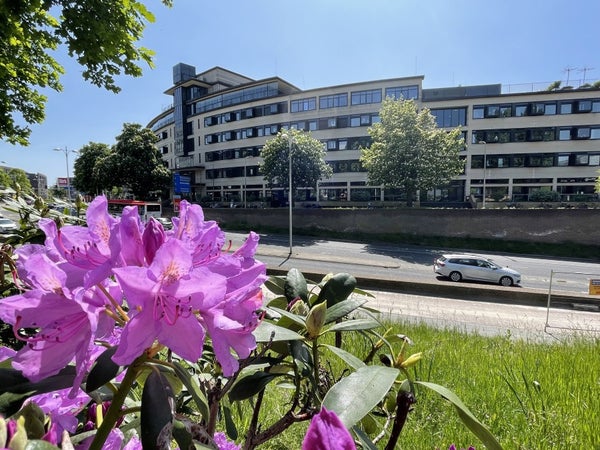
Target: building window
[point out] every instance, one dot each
(333, 101)
(562, 160)
(450, 118)
(332, 122)
(581, 159)
(343, 144)
(595, 133)
(305, 104)
(312, 125)
(566, 108)
(366, 97)
(520, 110)
(581, 133)
(596, 106)
(405, 92)
(355, 121)
(478, 112)
(564, 134)
(331, 145)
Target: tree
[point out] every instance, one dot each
(308, 160)
(409, 151)
(100, 34)
(19, 181)
(87, 177)
(134, 162)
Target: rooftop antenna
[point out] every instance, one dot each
(585, 70)
(569, 70)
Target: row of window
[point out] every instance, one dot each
(325, 123)
(234, 153)
(535, 134)
(347, 143)
(536, 109)
(236, 97)
(356, 98)
(246, 113)
(535, 160)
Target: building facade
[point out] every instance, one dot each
(516, 144)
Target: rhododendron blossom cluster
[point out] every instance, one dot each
(135, 286)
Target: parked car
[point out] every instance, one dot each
(7, 226)
(459, 267)
(166, 222)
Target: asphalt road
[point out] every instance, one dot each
(393, 262)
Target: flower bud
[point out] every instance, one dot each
(315, 320)
(411, 360)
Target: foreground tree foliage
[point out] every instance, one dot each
(87, 178)
(308, 160)
(100, 34)
(409, 151)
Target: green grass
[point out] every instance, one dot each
(530, 395)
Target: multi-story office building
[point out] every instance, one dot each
(212, 136)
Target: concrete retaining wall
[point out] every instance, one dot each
(532, 225)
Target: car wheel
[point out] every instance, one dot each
(506, 281)
(455, 276)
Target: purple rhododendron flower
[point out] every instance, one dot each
(327, 432)
(175, 286)
(61, 408)
(223, 443)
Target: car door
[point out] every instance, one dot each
(469, 269)
(483, 270)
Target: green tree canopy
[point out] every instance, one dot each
(87, 178)
(308, 160)
(100, 34)
(409, 151)
(19, 181)
(134, 162)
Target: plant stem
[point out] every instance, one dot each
(114, 411)
(404, 401)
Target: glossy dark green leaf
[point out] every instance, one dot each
(193, 389)
(230, 428)
(267, 330)
(343, 308)
(337, 289)
(156, 410)
(15, 387)
(181, 435)
(295, 285)
(250, 385)
(345, 356)
(302, 357)
(476, 427)
(355, 325)
(293, 318)
(276, 285)
(103, 370)
(354, 396)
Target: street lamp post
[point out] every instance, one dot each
(290, 141)
(484, 170)
(66, 152)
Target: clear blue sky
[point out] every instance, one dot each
(316, 43)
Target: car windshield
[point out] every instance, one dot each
(6, 222)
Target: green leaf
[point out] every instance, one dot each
(156, 410)
(302, 357)
(337, 289)
(295, 285)
(476, 427)
(366, 442)
(343, 308)
(263, 333)
(250, 385)
(354, 325)
(103, 370)
(276, 285)
(230, 428)
(347, 357)
(354, 396)
(181, 435)
(15, 387)
(295, 318)
(193, 389)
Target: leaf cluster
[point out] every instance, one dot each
(408, 151)
(101, 35)
(133, 163)
(307, 160)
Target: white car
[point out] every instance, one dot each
(7, 225)
(459, 267)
